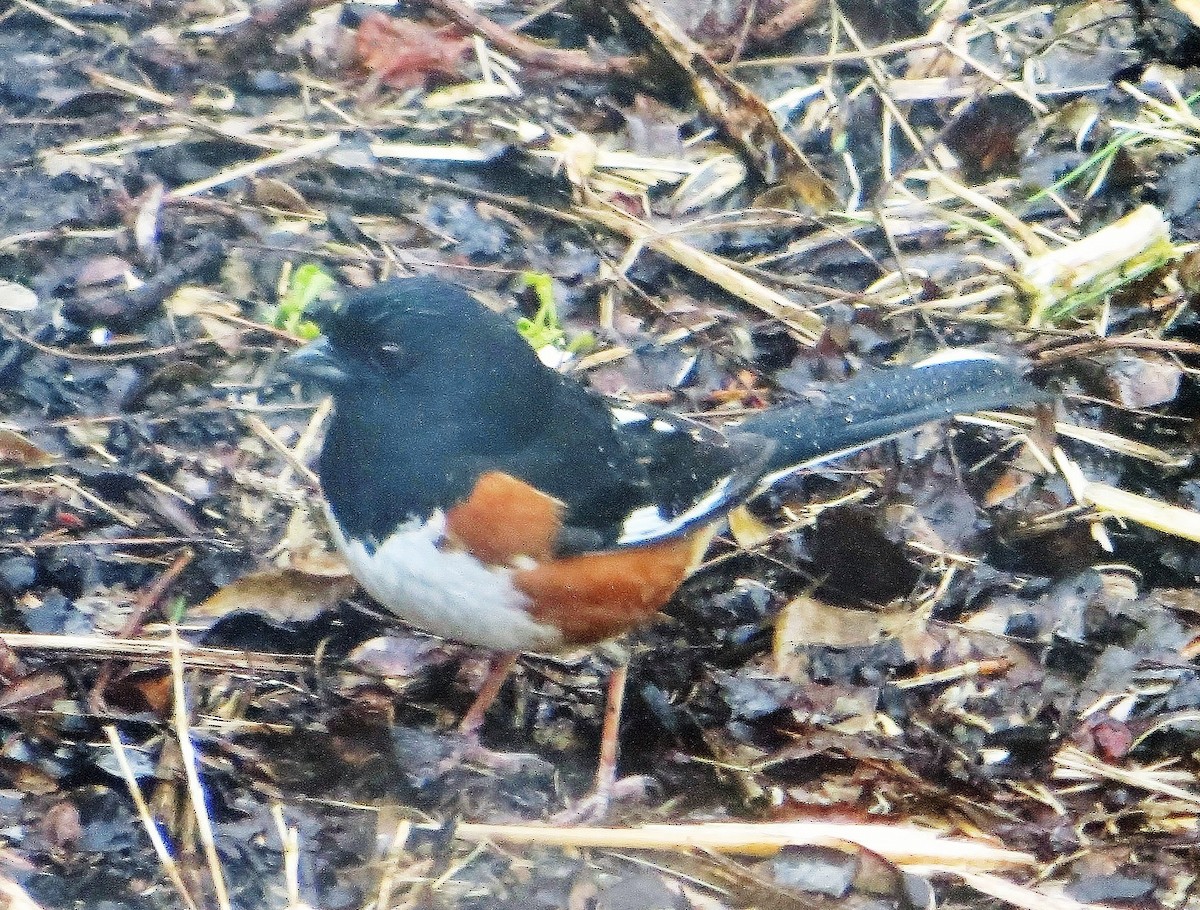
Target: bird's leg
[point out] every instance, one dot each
(606, 767)
(472, 721)
(471, 748)
(594, 806)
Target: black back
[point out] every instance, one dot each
(439, 389)
(432, 389)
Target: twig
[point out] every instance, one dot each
(741, 114)
(790, 18)
(146, 600)
(259, 428)
(531, 53)
(191, 772)
(38, 10)
(165, 859)
(159, 652)
(250, 168)
(903, 844)
(1115, 343)
(807, 324)
(43, 543)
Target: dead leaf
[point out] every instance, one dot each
(103, 270)
(403, 53)
(1143, 381)
(747, 530)
(397, 656)
(807, 621)
(285, 595)
(61, 824)
(37, 690)
(304, 549)
(141, 690)
(211, 309)
(27, 778)
(271, 191)
(16, 449)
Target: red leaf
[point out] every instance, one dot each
(402, 53)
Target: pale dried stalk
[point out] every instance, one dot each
(807, 324)
(902, 844)
(165, 859)
(191, 772)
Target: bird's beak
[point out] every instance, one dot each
(315, 361)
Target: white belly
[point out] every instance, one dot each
(447, 593)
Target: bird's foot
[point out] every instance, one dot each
(594, 807)
(470, 751)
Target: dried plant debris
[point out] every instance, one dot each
(960, 664)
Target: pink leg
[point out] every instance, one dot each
(470, 748)
(594, 807)
(472, 721)
(614, 701)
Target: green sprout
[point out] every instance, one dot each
(307, 283)
(544, 329)
(176, 609)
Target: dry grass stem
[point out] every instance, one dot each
(165, 859)
(191, 770)
(901, 844)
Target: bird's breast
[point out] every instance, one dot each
(446, 591)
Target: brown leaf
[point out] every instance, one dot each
(806, 621)
(102, 270)
(397, 656)
(141, 690)
(12, 667)
(281, 594)
(28, 778)
(1143, 381)
(16, 449)
(36, 690)
(61, 824)
(276, 193)
(403, 53)
(210, 309)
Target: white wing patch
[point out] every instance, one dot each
(448, 593)
(649, 524)
(626, 416)
(957, 355)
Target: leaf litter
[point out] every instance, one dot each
(961, 664)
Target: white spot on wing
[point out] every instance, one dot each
(648, 523)
(661, 426)
(626, 416)
(957, 355)
(448, 593)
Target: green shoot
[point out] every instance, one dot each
(544, 329)
(308, 283)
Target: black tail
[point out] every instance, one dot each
(876, 405)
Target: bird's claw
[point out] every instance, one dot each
(595, 806)
(470, 751)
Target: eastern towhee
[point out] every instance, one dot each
(484, 497)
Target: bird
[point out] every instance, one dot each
(482, 496)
